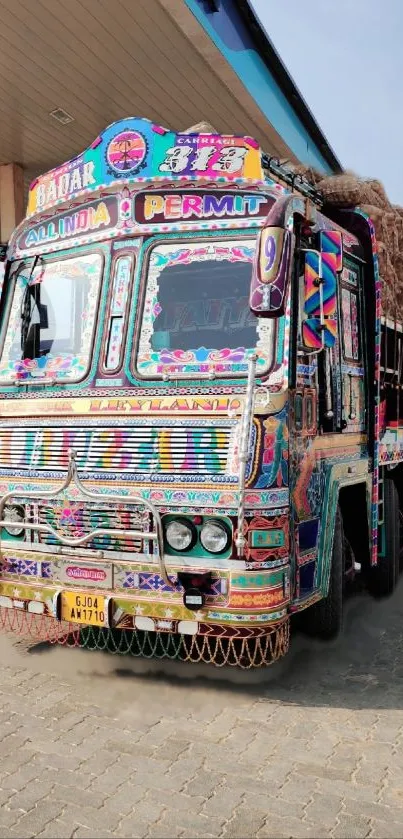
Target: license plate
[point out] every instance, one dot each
(80, 607)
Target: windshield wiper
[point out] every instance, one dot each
(30, 333)
(26, 308)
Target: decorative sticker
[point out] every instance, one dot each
(350, 324)
(126, 152)
(121, 282)
(92, 218)
(162, 207)
(347, 333)
(135, 149)
(349, 275)
(354, 321)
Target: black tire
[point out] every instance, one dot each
(384, 576)
(325, 619)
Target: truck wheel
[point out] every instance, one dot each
(324, 619)
(384, 576)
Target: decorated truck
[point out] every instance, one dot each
(199, 402)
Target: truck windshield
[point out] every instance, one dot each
(51, 319)
(196, 314)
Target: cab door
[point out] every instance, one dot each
(331, 338)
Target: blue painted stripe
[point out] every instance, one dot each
(229, 33)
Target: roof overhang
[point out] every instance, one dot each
(150, 59)
(236, 30)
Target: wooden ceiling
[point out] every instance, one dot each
(101, 60)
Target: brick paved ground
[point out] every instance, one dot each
(98, 746)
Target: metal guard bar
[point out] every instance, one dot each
(73, 477)
(81, 540)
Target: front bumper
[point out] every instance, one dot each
(137, 597)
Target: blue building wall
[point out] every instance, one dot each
(228, 31)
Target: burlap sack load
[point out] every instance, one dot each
(347, 190)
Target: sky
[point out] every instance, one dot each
(346, 58)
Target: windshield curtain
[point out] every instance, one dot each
(52, 317)
(196, 315)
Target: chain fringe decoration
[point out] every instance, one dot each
(245, 653)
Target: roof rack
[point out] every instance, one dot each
(295, 180)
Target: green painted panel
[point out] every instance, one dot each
(267, 538)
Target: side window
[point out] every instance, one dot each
(350, 314)
(122, 273)
(352, 347)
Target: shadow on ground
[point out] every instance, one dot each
(363, 668)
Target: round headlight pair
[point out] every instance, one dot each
(14, 513)
(181, 536)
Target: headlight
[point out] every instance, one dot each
(179, 535)
(214, 537)
(17, 514)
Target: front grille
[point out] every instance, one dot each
(146, 446)
(74, 519)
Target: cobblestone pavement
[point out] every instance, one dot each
(96, 746)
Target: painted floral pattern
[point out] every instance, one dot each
(200, 359)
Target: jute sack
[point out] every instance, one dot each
(347, 190)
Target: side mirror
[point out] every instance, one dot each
(319, 325)
(274, 253)
(271, 270)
